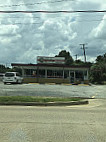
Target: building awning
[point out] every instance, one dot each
(49, 65)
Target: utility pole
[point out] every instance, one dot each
(76, 56)
(83, 47)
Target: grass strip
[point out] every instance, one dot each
(36, 99)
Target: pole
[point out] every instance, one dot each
(83, 47)
(76, 56)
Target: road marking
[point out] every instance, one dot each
(33, 83)
(94, 96)
(50, 83)
(83, 85)
(66, 84)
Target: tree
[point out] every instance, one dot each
(79, 61)
(96, 73)
(68, 58)
(101, 58)
(98, 70)
(4, 69)
(16, 69)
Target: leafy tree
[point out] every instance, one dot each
(3, 69)
(79, 61)
(15, 69)
(98, 70)
(68, 58)
(101, 58)
(96, 73)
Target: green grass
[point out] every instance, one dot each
(36, 99)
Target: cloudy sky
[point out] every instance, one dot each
(24, 36)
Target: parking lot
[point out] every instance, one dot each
(53, 90)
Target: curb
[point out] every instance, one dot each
(45, 104)
(65, 84)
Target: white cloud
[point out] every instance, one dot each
(100, 32)
(7, 29)
(8, 34)
(21, 40)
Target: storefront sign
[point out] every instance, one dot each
(50, 60)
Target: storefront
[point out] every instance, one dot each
(53, 73)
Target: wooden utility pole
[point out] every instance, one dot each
(83, 47)
(76, 56)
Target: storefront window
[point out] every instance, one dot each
(54, 73)
(30, 72)
(41, 73)
(66, 74)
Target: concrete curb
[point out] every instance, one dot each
(65, 84)
(45, 104)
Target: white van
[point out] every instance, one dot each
(12, 77)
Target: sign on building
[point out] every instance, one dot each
(50, 60)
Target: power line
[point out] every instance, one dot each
(21, 17)
(59, 11)
(18, 23)
(90, 20)
(23, 23)
(36, 3)
(99, 15)
(42, 22)
(83, 20)
(53, 17)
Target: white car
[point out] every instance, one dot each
(12, 77)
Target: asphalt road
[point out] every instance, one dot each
(85, 123)
(94, 91)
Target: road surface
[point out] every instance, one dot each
(84, 123)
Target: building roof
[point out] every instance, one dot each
(50, 65)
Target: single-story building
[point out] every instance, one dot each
(53, 70)
(53, 73)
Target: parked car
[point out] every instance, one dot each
(12, 77)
